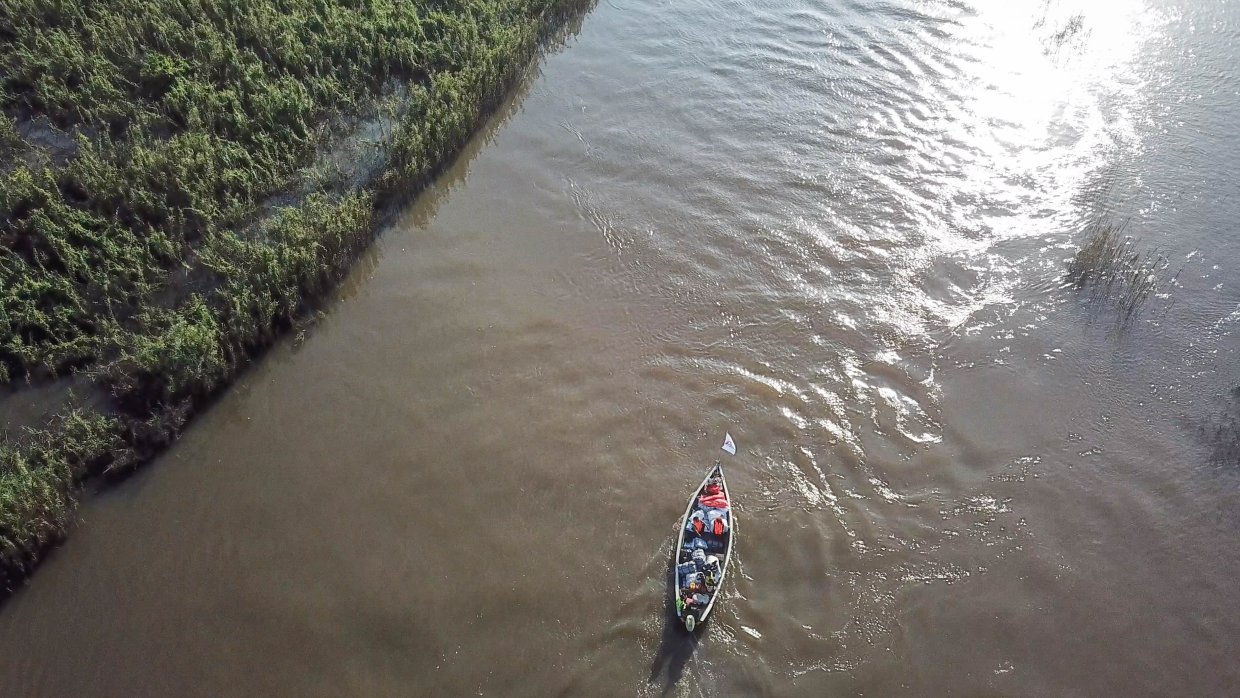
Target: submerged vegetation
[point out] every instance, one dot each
(1222, 432)
(163, 214)
(1111, 270)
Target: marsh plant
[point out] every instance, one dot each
(149, 256)
(1112, 271)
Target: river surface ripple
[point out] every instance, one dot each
(838, 230)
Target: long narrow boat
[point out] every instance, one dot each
(697, 584)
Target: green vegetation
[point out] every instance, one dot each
(142, 244)
(36, 483)
(1112, 271)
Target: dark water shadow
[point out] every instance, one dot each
(676, 646)
(1222, 433)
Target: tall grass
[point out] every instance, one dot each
(1111, 270)
(38, 474)
(151, 259)
(9, 138)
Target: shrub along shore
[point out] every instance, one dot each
(164, 209)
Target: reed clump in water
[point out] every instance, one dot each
(1111, 270)
(1223, 433)
(145, 250)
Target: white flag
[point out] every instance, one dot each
(728, 444)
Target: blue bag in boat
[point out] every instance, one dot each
(683, 570)
(697, 543)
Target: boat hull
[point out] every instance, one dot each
(692, 615)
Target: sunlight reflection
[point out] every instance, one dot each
(1052, 91)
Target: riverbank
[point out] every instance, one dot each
(180, 180)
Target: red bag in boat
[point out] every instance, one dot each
(714, 501)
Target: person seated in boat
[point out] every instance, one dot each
(713, 496)
(711, 500)
(686, 601)
(694, 583)
(706, 528)
(702, 572)
(712, 572)
(697, 522)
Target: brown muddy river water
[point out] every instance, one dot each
(837, 230)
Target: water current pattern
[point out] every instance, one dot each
(839, 230)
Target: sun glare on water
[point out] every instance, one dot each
(1054, 89)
